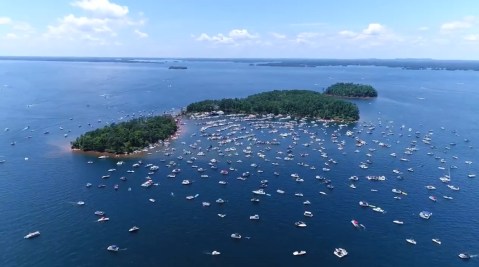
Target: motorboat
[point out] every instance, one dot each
(464, 256)
(133, 229)
(215, 253)
(88, 185)
(298, 194)
(447, 197)
(425, 214)
(221, 215)
(411, 241)
(99, 213)
(205, 204)
(455, 188)
(113, 248)
(398, 222)
(80, 203)
(307, 202)
(152, 200)
(103, 219)
(363, 204)
(259, 192)
(223, 182)
(254, 217)
(186, 182)
(355, 223)
(430, 187)
(300, 224)
(235, 236)
(220, 201)
(308, 214)
(340, 252)
(279, 191)
(32, 235)
(299, 253)
(378, 209)
(437, 241)
(255, 200)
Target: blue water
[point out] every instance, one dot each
(41, 179)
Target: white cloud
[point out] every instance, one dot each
(5, 20)
(374, 29)
(278, 35)
(465, 23)
(140, 33)
(102, 7)
(348, 34)
(71, 24)
(423, 28)
(11, 36)
(305, 37)
(472, 37)
(235, 36)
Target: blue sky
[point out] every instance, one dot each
(243, 28)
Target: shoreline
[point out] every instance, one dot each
(137, 153)
(353, 97)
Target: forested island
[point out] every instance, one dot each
(352, 90)
(127, 137)
(299, 103)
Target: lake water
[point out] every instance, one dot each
(41, 180)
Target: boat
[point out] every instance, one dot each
(411, 241)
(221, 215)
(186, 182)
(464, 256)
(255, 200)
(430, 187)
(113, 248)
(340, 252)
(99, 213)
(425, 214)
(352, 186)
(205, 204)
(88, 185)
(115, 187)
(300, 224)
(307, 202)
(215, 253)
(355, 223)
(455, 188)
(378, 209)
(433, 198)
(220, 201)
(235, 236)
(103, 219)
(308, 214)
(299, 253)
(152, 200)
(32, 235)
(363, 204)
(437, 241)
(133, 229)
(398, 222)
(259, 192)
(254, 217)
(447, 197)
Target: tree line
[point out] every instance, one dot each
(351, 90)
(300, 103)
(129, 136)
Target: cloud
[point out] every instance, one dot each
(451, 26)
(102, 7)
(472, 37)
(423, 28)
(11, 36)
(140, 33)
(278, 35)
(374, 29)
(5, 20)
(70, 25)
(305, 37)
(235, 36)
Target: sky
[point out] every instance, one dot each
(439, 29)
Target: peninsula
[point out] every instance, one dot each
(351, 90)
(127, 137)
(299, 103)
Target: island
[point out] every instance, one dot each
(351, 90)
(127, 137)
(298, 103)
(177, 67)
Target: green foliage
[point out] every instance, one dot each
(301, 103)
(351, 90)
(126, 137)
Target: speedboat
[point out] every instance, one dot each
(398, 222)
(455, 188)
(433, 198)
(308, 214)
(437, 241)
(103, 219)
(259, 192)
(133, 229)
(152, 200)
(355, 223)
(307, 202)
(340, 252)
(299, 253)
(298, 194)
(99, 213)
(88, 185)
(215, 253)
(221, 215)
(300, 224)
(378, 209)
(447, 197)
(220, 201)
(255, 200)
(205, 204)
(425, 214)
(411, 241)
(235, 236)
(80, 203)
(254, 217)
(464, 256)
(363, 204)
(113, 248)
(32, 235)
(279, 191)
(430, 187)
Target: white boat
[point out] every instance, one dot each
(430, 187)
(300, 224)
(308, 214)
(99, 213)
(32, 235)
(425, 214)
(299, 253)
(103, 219)
(80, 203)
(464, 256)
(411, 241)
(298, 194)
(186, 182)
(433, 198)
(220, 201)
(455, 188)
(447, 197)
(113, 248)
(133, 229)
(279, 191)
(363, 204)
(352, 186)
(235, 236)
(378, 209)
(152, 200)
(259, 192)
(398, 222)
(254, 217)
(437, 241)
(221, 215)
(355, 223)
(340, 252)
(307, 202)
(205, 204)
(215, 253)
